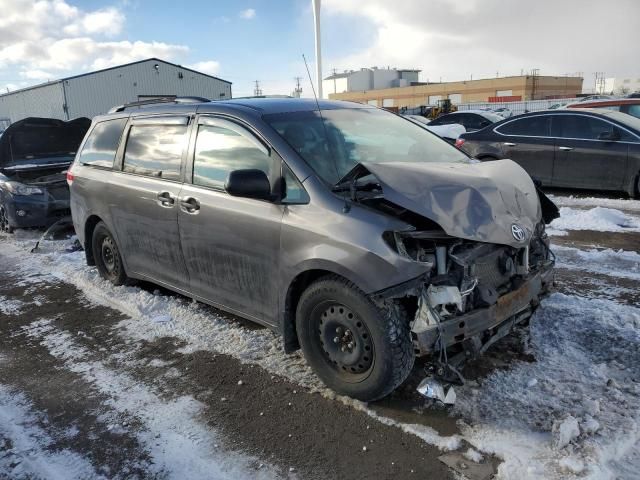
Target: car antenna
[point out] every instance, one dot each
(346, 207)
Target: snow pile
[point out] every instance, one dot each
(179, 445)
(597, 219)
(618, 263)
(583, 413)
(582, 202)
(25, 448)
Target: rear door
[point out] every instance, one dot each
(582, 159)
(231, 245)
(144, 204)
(527, 142)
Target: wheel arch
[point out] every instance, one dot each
(89, 227)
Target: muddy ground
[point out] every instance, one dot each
(263, 417)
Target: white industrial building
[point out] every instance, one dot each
(368, 79)
(96, 92)
(620, 85)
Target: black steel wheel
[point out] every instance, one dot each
(356, 347)
(107, 256)
(345, 340)
(4, 221)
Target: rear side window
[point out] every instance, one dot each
(633, 110)
(538, 126)
(100, 148)
(155, 150)
(220, 150)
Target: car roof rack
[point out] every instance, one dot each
(156, 101)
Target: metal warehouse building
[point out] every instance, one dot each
(95, 93)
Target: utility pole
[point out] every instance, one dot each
(257, 91)
(599, 82)
(534, 82)
(298, 90)
(334, 72)
(316, 21)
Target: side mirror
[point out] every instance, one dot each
(249, 183)
(610, 136)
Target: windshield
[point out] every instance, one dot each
(355, 135)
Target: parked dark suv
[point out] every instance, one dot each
(355, 234)
(581, 148)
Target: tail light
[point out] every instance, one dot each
(459, 142)
(70, 177)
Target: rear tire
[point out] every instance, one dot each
(356, 348)
(107, 256)
(4, 221)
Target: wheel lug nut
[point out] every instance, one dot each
(343, 348)
(351, 345)
(336, 340)
(339, 330)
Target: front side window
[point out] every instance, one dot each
(101, 146)
(155, 150)
(220, 150)
(538, 126)
(580, 127)
(350, 136)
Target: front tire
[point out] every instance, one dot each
(107, 256)
(356, 348)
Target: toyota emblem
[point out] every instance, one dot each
(517, 232)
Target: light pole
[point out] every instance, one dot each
(316, 21)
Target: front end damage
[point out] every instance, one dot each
(473, 294)
(480, 280)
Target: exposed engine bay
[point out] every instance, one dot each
(474, 290)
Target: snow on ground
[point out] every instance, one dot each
(571, 201)
(586, 374)
(10, 307)
(25, 451)
(577, 408)
(197, 325)
(599, 219)
(618, 263)
(179, 445)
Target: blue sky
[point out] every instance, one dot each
(242, 41)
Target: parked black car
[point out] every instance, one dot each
(34, 156)
(590, 148)
(471, 120)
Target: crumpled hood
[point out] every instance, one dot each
(487, 202)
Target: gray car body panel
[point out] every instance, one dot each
(319, 235)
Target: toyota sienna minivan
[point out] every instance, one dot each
(356, 235)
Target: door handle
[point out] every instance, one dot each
(165, 199)
(509, 144)
(190, 205)
(565, 149)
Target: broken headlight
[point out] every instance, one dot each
(18, 188)
(407, 245)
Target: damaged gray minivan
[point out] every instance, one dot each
(357, 235)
